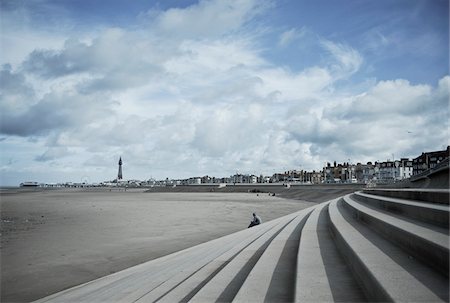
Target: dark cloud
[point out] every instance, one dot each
(54, 112)
(38, 119)
(16, 97)
(120, 79)
(53, 153)
(73, 58)
(110, 62)
(13, 83)
(22, 114)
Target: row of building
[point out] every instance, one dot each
(379, 172)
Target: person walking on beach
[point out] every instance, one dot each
(256, 220)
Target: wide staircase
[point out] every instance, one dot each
(373, 245)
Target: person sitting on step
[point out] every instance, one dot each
(256, 220)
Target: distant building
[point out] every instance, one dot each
(328, 173)
(364, 173)
(237, 178)
(311, 177)
(29, 184)
(405, 169)
(195, 181)
(279, 177)
(384, 170)
(393, 170)
(339, 173)
(119, 174)
(206, 179)
(429, 160)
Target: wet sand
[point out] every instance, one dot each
(55, 239)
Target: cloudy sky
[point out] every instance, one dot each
(188, 88)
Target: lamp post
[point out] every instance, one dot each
(349, 167)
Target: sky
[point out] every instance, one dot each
(214, 87)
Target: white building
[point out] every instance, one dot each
(393, 170)
(195, 180)
(404, 169)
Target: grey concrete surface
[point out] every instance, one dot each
(312, 284)
(306, 192)
(322, 275)
(224, 286)
(427, 243)
(440, 196)
(176, 288)
(382, 278)
(436, 214)
(273, 276)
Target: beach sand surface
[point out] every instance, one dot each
(55, 239)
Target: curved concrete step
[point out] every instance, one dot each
(436, 214)
(384, 271)
(439, 196)
(211, 263)
(431, 245)
(273, 276)
(226, 284)
(322, 274)
(188, 287)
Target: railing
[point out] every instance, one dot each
(444, 164)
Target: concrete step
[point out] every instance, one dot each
(322, 274)
(439, 196)
(226, 283)
(272, 278)
(184, 285)
(211, 262)
(385, 272)
(430, 244)
(436, 214)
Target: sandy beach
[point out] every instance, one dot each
(55, 239)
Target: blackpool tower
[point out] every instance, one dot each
(119, 175)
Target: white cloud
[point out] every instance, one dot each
(293, 86)
(396, 97)
(346, 60)
(289, 36)
(393, 117)
(207, 18)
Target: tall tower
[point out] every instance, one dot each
(119, 175)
